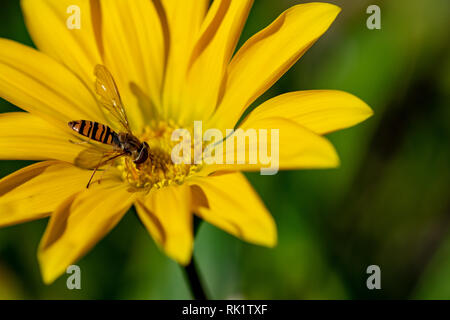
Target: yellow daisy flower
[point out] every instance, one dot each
(173, 63)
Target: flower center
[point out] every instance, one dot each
(158, 170)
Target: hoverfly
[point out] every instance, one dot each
(124, 143)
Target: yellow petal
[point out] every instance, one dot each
(212, 52)
(78, 224)
(264, 58)
(234, 206)
(321, 111)
(297, 147)
(134, 52)
(38, 84)
(167, 215)
(48, 20)
(184, 19)
(24, 136)
(35, 191)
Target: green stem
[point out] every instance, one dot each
(192, 272)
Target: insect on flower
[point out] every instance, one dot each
(175, 64)
(124, 143)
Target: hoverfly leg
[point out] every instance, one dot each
(80, 142)
(131, 170)
(93, 173)
(128, 169)
(101, 177)
(101, 163)
(77, 143)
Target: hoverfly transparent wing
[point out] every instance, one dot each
(91, 157)
(94, 158)
(106, 88)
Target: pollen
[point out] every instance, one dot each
(158, 170)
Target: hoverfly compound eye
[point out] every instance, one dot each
(143, 154)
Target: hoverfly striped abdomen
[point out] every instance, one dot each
(95, 131)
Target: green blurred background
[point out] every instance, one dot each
(388, 204)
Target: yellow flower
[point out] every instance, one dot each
(173, 63)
